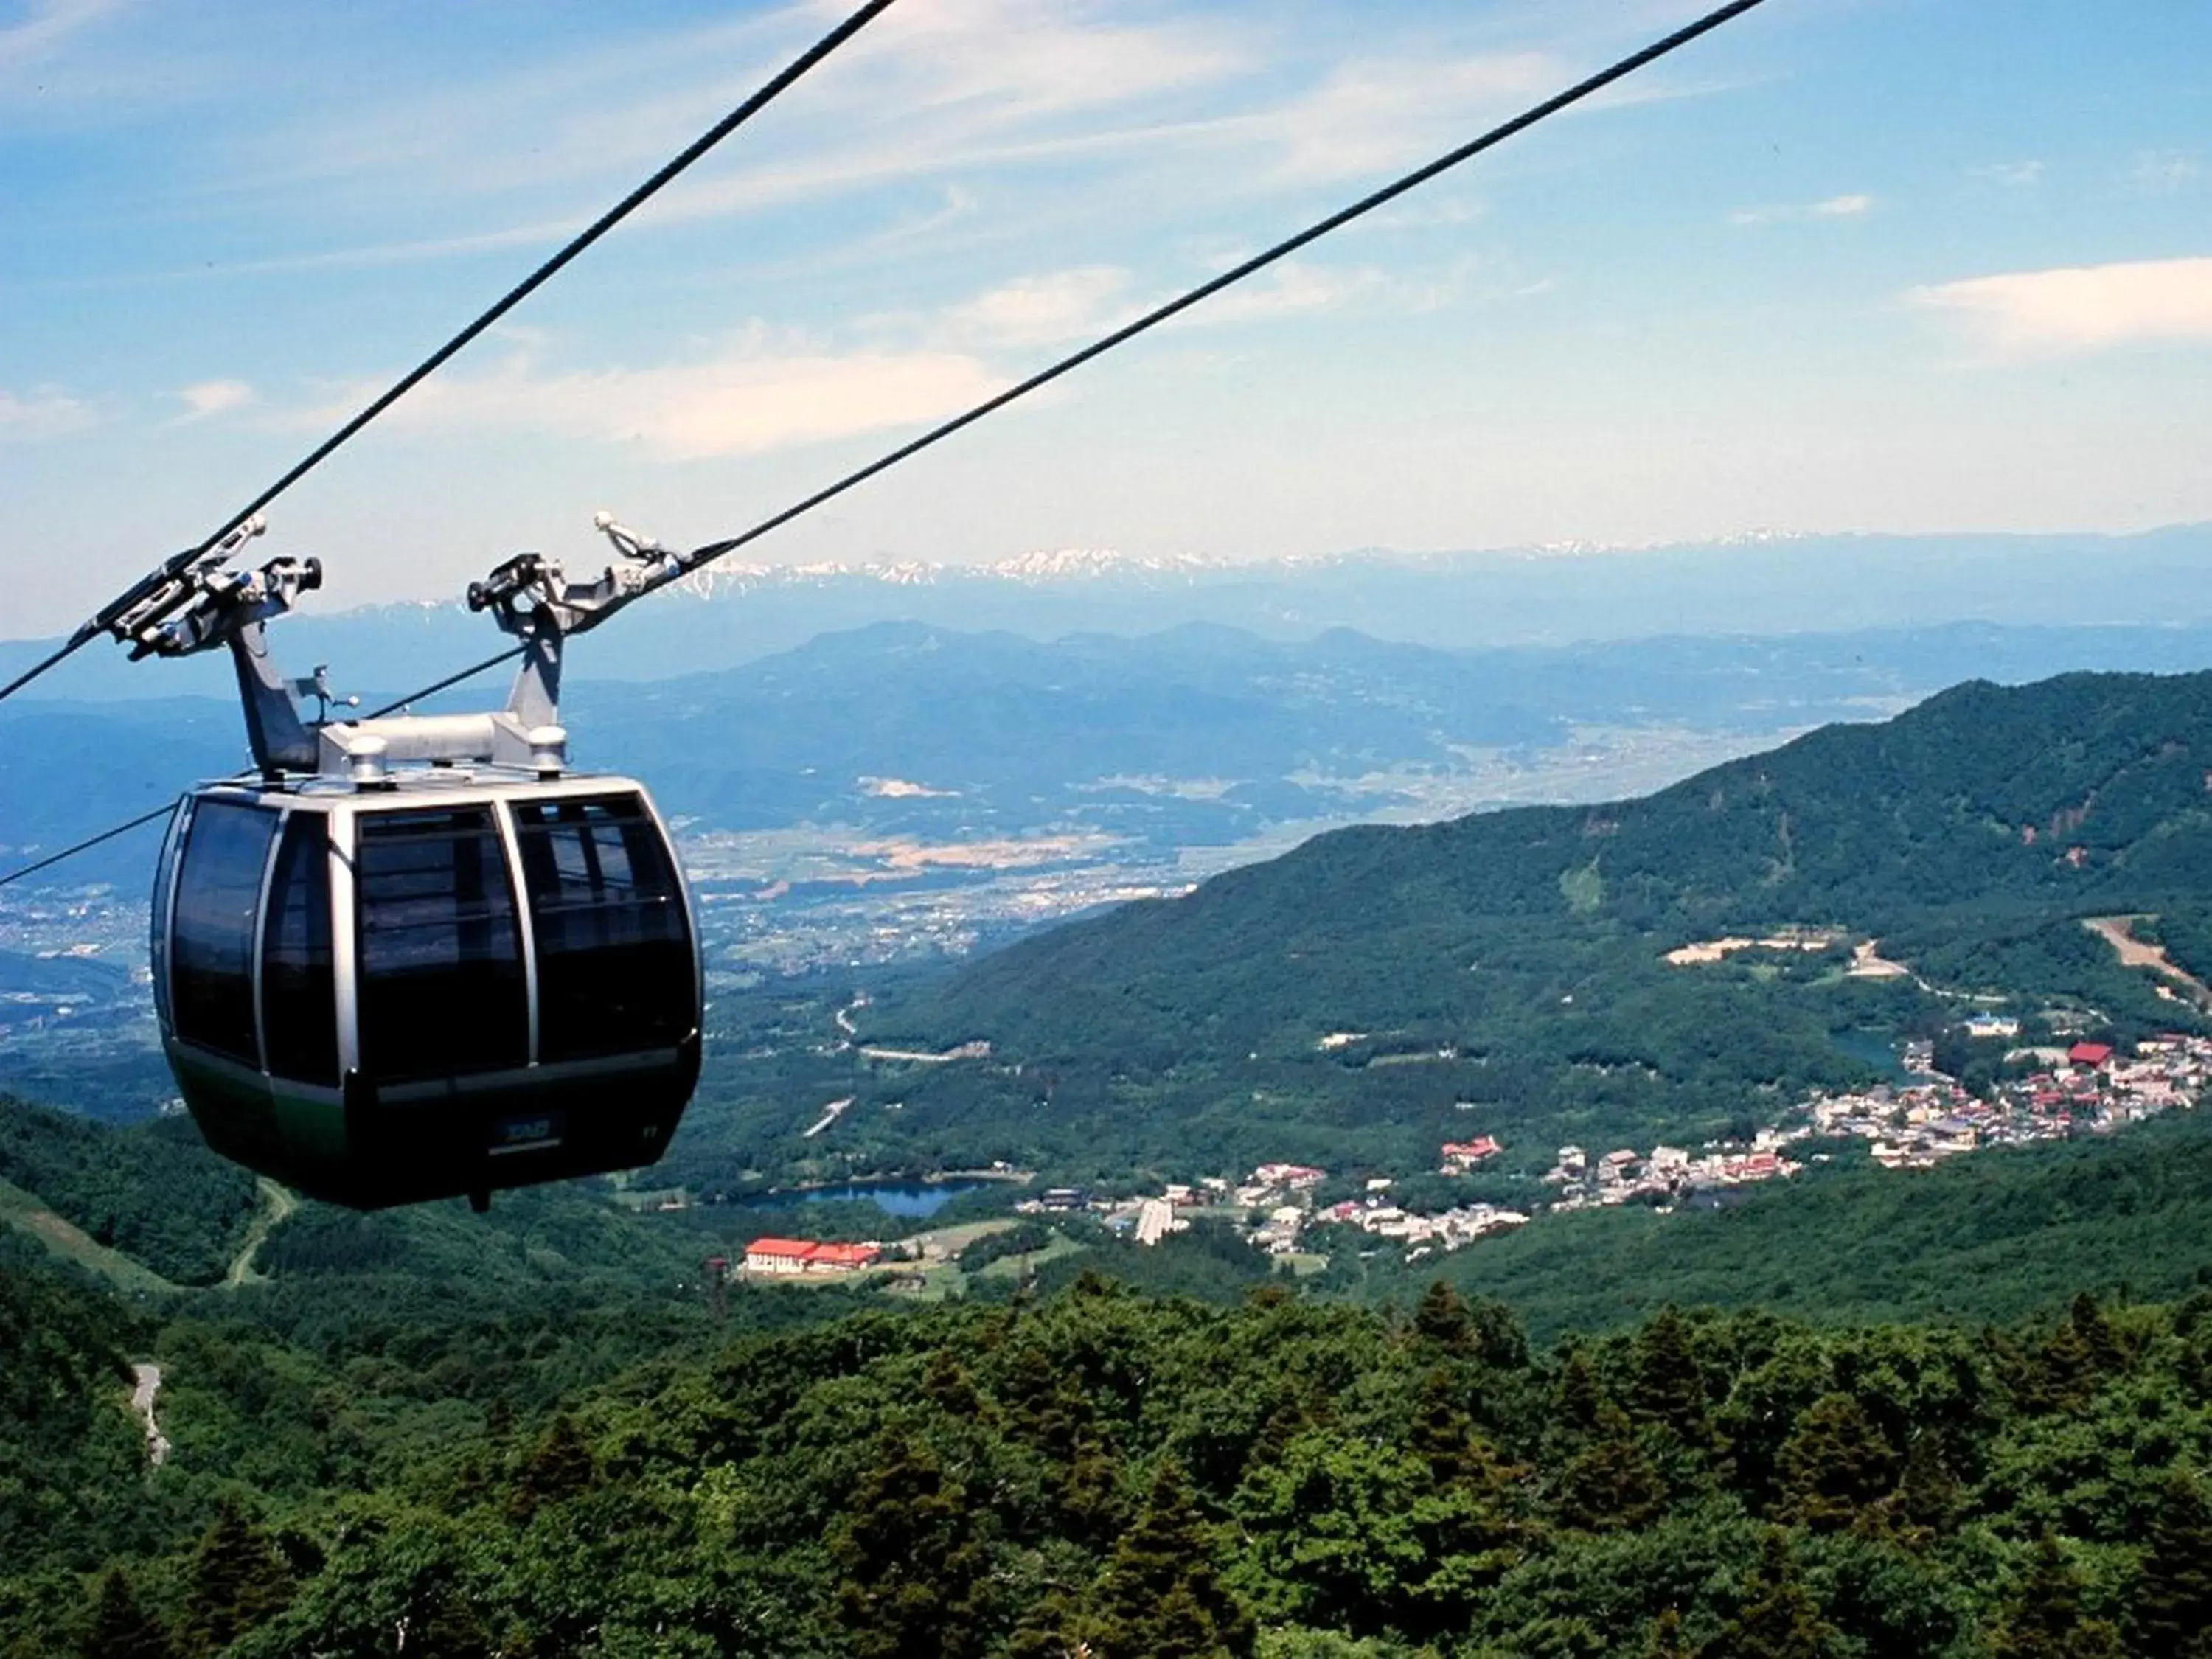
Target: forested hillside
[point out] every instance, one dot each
(2087, 791)
(1900, 1430)
(1131, 1478)
(153, 1191)
(1507, 969)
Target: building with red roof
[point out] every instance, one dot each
(2091, 1055)
(800, 1255)
(1471, 1152)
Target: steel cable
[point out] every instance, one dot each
(522, 290)
(706, 554)
(702, 556)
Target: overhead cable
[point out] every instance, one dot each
(705, 555)
(506, 302)
(710, 552)
(88, 843)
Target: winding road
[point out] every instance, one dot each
(142, 1402)
(276, 1204)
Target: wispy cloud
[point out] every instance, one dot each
(47, 25)
(2161, 170)
(939, 95)
(759, 391)
(1853, 206)
(1294, 289)
(42, 412)
(2045, 313)
(768, 389)
(1381, 112)
(208, 397)
(932, 78)
(2013, 175)
(1045, 309)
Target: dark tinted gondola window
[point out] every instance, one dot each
(441, 988)
(299, 1006)
(163, 893)
(614, 943)
(212, 957)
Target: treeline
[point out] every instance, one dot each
(1133, 1478)
(1502, 973)
(69, 1460)
(153, 1191)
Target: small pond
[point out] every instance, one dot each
(906, 1198)
(1877, 1049)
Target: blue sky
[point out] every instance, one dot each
(1848, 265)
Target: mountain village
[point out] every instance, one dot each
(2087, 1089)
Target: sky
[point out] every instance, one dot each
(1845, 264)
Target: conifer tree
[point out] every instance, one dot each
(2100, 1339)
(237, 1580)
(1088, 1502)
(913, 1572)
(2064, 1374)
(2171, 1614)
(1928, 1494)
(945, 1380)
(1052, 1627)
(120, 1627)
(1499, 1340)
(1834, 1465)
(1043, 1406)
(1610, 1485)
(1666, 1640)
(559, 1467)
(1468, 1521)
(1579, 1393)
(1780, 1619)
(1442, 1433)
(1162, 1596)
(1285, 1423)
(2042, 1618)
(1442, 1320)
(1669, 1389)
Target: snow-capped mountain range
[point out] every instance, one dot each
(1758, 582)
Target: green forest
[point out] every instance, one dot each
(1102, 1471)
(1504, 974)
(1959, 1412)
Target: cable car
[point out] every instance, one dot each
(417, 957)
(385, 995)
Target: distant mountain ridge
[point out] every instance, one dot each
(1755, 583)
(1201, 735)
(2083, 792)
(1380, 989)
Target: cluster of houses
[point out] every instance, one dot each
(1276, 1206)
(2086, 1088)
(1423, 1233)
(1669, 1173)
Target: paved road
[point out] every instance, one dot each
(142, 1402)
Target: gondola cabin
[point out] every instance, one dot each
(437, 983)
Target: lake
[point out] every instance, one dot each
(906, 1199)
(1875, 1049)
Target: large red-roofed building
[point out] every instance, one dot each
(2091, 1055)
(1464, 1152)
(800, 1255)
